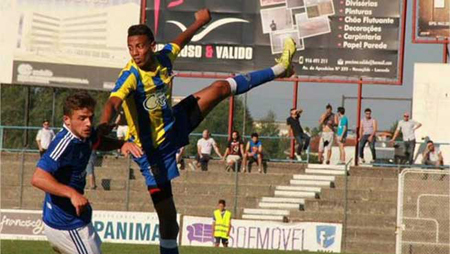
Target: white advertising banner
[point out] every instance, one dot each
(249, 234)
(117, 227)
(75, 44)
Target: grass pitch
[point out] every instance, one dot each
(42, 247)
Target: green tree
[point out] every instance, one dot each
(275, 146)
(217, 123)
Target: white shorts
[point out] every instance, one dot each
(122, 131)
(327, 137)
(233, 158)
(82, 240)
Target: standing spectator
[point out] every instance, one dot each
(44, 137)
(296, 131)
(253, 152)
(204, 149)
(432, 155)
(90, 170)
(221, 224)
(328, 120)
(407, 127)
(122, 128)
(367, 134)
(234, 152)
(342, 133)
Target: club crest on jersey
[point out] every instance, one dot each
(154, 101)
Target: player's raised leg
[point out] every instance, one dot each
(209, 97)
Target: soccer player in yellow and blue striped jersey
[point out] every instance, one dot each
(160, 130)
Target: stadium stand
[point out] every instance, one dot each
(298, 193)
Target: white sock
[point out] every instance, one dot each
(278, 69)
(233, 85)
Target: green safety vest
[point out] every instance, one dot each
(222, 223)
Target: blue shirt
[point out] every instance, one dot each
(255, 146)
(66, 160)
(343, 122)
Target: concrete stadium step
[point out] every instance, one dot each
(354, 207)
(279, 205)
(262, 217)
(318, 183)
(371, 247)
(283, 200)
(298, 188)
(324, 171)
(365, 183)
(297, 194)
(315, 177)
(326, 167)
(381, 234)
(374, 172)
(359, 195)
(353, 219)
(266, 211)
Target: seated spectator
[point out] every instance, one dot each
(204, 149)
(253, 152)
(234, 151)
(432, 155)
(179, 158)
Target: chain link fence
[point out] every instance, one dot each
(423, 221)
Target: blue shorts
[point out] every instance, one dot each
(159, 166)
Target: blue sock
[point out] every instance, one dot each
(248, 81)
(168, 246)
(163, 250)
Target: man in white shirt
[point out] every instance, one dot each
(44, 137)
(204, 149)
(408, 127)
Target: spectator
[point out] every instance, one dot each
(44, 137)
(204, 149)
(432, 155)
(342, 134)
(328, 120)
(234, 152)
(90, 170)
(180, 159)
(122, 128)
(221, 224)
(296, 131)
(253, 152)
(367, 134)
(407, 127)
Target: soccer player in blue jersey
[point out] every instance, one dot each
(142, 91)
(61, 174)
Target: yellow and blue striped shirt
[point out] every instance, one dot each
(146, 98)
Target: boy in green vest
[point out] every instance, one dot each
(221, 224)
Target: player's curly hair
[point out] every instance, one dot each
(141, 29)
(78, 100)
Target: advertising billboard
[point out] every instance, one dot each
(342, 40)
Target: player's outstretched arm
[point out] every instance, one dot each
(202, 17)
(110, 144)
(110, 110)
(46, 182)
